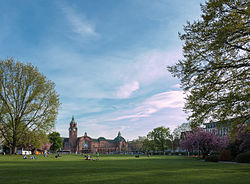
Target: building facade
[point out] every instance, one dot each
(86, 144)
(220, 129)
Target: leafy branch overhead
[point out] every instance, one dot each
(215, 71)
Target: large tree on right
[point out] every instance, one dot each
(215, 69)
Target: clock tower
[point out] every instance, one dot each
(73, 135)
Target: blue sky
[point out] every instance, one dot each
(107, 58)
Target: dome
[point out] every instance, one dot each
(119, 138)
(101, 139)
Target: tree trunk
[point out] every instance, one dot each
(162, 148)
(14, 146)
(13, 149)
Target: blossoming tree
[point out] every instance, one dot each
(203, 141)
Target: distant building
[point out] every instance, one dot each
(220, 129)
(86, 144)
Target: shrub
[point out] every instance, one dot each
(215, 153)
(234, 148)
(243, 157)
(212, 158)
(225, 155)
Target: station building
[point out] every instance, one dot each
(87, 144)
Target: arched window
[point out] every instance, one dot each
(85, 144)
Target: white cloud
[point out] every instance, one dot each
(79, 23)
(126, 90)
(176, 86)
(152, 65)
(171, 99)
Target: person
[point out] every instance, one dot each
(148, 154)
(25, 157)
(97, 155)
(44, 153)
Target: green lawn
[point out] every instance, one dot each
(120, 169)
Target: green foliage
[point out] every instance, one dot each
(215, 70)
(56, 141)
(28, 103)
(159, 138)
(243, 157)
(234, 148)
(149, 145)
(34, 139)
(212, 158)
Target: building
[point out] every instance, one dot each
(220, 129)
(86, 144)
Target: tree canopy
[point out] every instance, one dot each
(137, 144)
(28, 102)
(56, 141)
(159, 138)
(215, 70)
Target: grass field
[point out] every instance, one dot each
(120, 169)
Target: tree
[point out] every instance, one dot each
(203, 141)
(34, 139)
(160, 137)
(176, 137)
(148, 145)
(138, 144)
(240, 140)
(215, 70)
(181, 128)
(28, 102)
(56, 141)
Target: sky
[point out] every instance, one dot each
(107, 58)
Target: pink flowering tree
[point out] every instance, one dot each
(203, 141)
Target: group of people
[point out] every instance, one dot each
(138, 156)
(31, 157)
(87, 157)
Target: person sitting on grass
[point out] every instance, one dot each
(87, 157)
(25, 157)
(57, 155)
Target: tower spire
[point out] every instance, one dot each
(73, 120)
